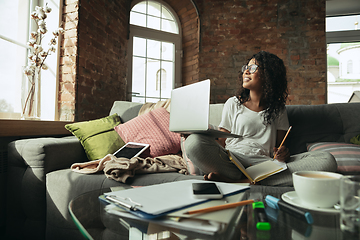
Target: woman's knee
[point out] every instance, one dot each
(317, 161)
(195, 143)
(330, 162)
(325, 160)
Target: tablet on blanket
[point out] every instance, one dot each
(130, 150)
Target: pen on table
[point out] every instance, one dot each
(220, 207)
(276, 203)
(287, 133)
(113, 199)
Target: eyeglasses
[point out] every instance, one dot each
(252, 68)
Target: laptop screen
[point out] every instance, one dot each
(189, 107)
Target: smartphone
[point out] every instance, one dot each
(130, 150)
(206, 190)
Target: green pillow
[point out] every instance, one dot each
(98, 137)
(355, 140)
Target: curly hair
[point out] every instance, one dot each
(274, 83)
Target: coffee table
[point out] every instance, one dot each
(94, 222)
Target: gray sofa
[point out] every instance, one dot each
(40, 183)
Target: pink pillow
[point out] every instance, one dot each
(151, 128)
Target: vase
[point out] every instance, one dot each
(30, 97)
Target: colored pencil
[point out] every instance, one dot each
(287, 133)
(221, 207)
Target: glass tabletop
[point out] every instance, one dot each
(85, 211)
(326, 224)
(95, 222)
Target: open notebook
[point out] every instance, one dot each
(259, 171)
(189, 111)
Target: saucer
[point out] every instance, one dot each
(293, 199)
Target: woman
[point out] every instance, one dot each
(258, 114)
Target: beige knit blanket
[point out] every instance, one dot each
(147, 107)
(120, 169)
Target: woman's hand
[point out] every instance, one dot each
(221, 141)
(282, 154)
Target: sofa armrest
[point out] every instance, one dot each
(48, 153)
(29, 160)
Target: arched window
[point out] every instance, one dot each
(155, 49)
(161, 80)
(349, 69)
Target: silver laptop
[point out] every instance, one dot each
(189, 111)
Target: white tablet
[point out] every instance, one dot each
(130, 150)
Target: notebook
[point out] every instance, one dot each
(189, 111)
(259, 171)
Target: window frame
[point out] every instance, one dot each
(343, 36)
(342, 8)
(349, 67)
(336, 9)
(31, 26)
(153, 34)
(31, 6)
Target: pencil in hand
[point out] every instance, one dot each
(220, 207)
(282, 142)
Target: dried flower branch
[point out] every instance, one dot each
(37, 56)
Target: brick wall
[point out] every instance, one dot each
(95, 67)
(232, 31)
(103, 33)
(190, 25)
(68, 59)
(218, 38)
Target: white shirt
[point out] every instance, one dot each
(258, 138)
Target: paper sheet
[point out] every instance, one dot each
(200, 226)
(223, 216)
(161, 198)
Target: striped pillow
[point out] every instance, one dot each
(346, 155)
(151, 128)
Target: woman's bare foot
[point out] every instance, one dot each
(213, 176)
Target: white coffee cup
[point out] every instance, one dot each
(317, 188)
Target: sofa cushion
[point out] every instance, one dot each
(336, 122)
(126, 110)
(151, 128)
(98, 137)
(346, 155)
